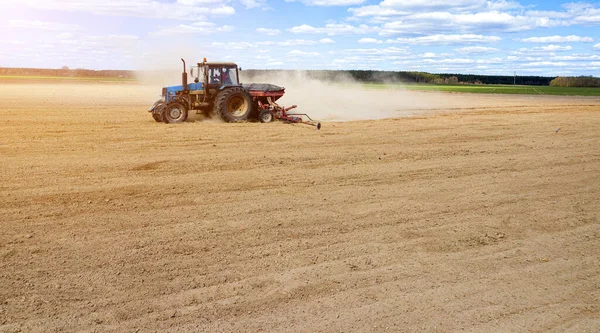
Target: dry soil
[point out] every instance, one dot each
(480, 213)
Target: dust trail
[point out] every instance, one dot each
(344, 99)
(161, 66)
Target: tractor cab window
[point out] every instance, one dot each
(230, 76)
(214, 76)
(197, 73)
(223, 75)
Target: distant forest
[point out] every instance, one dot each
(580, 81)
(66, 72)
(371, 76)
(367, 76)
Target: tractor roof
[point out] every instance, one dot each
(224, 64)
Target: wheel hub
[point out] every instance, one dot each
(266, 117)
(237, 106)
(175, 113)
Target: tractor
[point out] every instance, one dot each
(216, 92)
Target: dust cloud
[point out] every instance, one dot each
(160, 67)
(344, 99)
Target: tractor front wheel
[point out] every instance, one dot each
(233, 105)
(174, 112)
(157, 111)
(158, 117)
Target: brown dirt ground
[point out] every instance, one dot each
(476, 218)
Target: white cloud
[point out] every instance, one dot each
(450, 61)
(547, 14)
(576, 57)
(463, 16)
(490, 61)
(558, 39)
(234, 45)
(42, 25)
(597, 46)
(547, 63)
(253, 3)
(477, 50)
(417, 58)
(446, 39)
(303, 54)
(432, 4)
(268, 32)
(503, 5)
(298, 42)
(72, 42)
(375, 51)
(77, 51)
(198, 28)
(115, 40)
(65, 35)
(179, 10)
(547, 50)
(376, 11)
(330, 2)
(333, 29)
(188, 2)
(552, 48)
(369, 41)
(584, 13)
(440, 21)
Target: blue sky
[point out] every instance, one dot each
(461, 36)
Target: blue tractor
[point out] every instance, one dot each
(216, 91)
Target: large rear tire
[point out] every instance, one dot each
(233, 105)
(175, 112)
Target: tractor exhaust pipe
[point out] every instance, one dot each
(184, 76)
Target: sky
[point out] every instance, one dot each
(491, 37)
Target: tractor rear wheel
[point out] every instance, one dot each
(233, 105)
(175, 112)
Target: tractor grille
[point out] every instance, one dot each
(164, 91)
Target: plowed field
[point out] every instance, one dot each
(479, 214)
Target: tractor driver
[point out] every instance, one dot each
(226, 77)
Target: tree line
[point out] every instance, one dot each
(372, 76)
(67, 72)
(366, 76)
(580, 81)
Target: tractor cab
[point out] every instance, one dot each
(216, 74)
